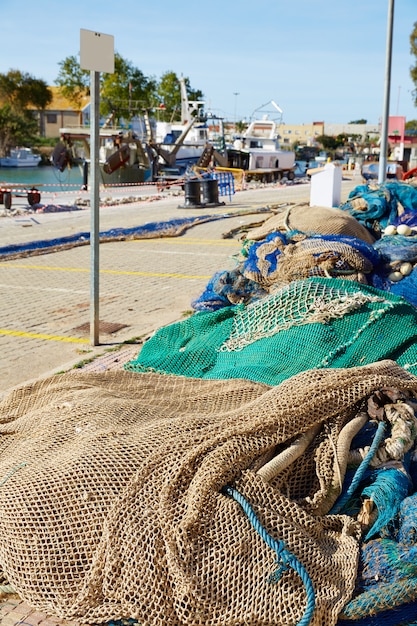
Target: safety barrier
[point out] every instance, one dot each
(225, 182)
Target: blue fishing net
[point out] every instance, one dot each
(393, 251)
(386, 589)
(404, 615)
(227, 288)
(375, 208)
(259, 270)
(170, 228)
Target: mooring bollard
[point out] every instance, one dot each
(210, 192)
(192, 191)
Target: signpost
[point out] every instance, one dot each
(96, 55)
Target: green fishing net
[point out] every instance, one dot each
(307, 324)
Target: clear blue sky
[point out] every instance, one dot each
(318, 59)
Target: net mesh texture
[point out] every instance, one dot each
(111, 501)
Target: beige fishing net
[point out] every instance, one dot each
(111, 501)
(310, 220)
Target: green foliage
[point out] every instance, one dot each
(241, 126)
(342, 139)
(74, 82)
(21, 90)
(20, 93)
(411, 125)
(127, 91)
(169, 96)
(361, 121)
(16, 128)
(328, 142)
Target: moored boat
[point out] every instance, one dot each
(258, 152)
(20, 157)
(122, 157)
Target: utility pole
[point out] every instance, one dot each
(382, 171)
(235, 93)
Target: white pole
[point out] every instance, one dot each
(382, 171)
(94, 207)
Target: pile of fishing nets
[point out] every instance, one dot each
(372, 239)
(174, 500)
(255, 464)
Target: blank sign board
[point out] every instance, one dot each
(96, 51)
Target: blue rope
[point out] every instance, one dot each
(361, 470)
(285, 558)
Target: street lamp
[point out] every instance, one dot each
(235, 93)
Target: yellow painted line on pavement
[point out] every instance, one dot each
(19, 333)
(118, 272)
(192, 242)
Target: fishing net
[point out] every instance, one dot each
(312, 220)
(314, 323)
(227, 288)
(276, 260)
(387, 581)
(281, 258)
(151, 230)
(376, 207)
(145, 496)
(397, 271)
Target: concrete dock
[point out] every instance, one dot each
(143, 284)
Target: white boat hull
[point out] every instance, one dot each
(20, 157)
(13, 163)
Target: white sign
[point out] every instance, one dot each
(96, 51)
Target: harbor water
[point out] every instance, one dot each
(46, 178)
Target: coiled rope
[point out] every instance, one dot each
(285, 558)
(361, 470)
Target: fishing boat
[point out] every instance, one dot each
(20, 157)
(122, 156)
(177, 145)
(258, 152)
(135, 156)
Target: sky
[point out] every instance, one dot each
(319, 60)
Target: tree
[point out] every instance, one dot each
(328, 142)
(73, 82)
(127, 91)
(413, 69)
(122, 93)
(22, 90)
(361, 121)
(411, 125)
(20, 95)
(169, 95)
(16, 128)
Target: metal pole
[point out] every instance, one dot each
(235, 93)
(382, 171)
(94, 207)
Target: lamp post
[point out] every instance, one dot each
(235, 93)
(382, 171)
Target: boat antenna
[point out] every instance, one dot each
(274, 104)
